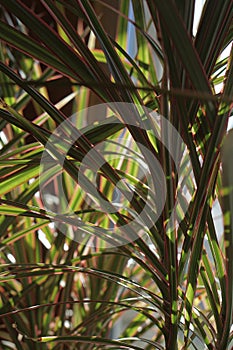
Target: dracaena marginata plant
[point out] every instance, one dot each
(108, 233)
